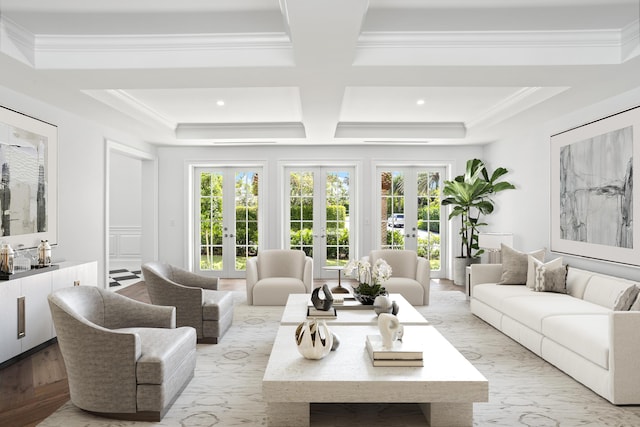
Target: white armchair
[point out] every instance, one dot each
(276, 273)
(410, 274)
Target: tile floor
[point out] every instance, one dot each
(123, 277)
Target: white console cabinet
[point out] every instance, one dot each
(25, 319)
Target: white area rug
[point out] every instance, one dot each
(524, 389)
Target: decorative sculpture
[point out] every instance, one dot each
(383, 304)
(322, 304)
(314, 339)
(390, 329)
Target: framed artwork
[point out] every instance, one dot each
(28, 180)
(594, 205)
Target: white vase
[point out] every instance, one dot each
(314, 339)
(390, 329)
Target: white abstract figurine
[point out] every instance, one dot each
(390, 329)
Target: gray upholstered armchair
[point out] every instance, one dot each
(276, 273)
(410, 274)
(197, 300)
(124, 358)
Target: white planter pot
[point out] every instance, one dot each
(460, 269)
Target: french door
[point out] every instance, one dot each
(227, 221)
(409, 212)
(319, 215)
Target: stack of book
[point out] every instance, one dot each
(400, 354)
(328, 314)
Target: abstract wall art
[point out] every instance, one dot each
(28, 180)
(593, 199)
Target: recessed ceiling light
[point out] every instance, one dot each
(220, 102)
(420, 102)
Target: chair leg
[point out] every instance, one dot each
(208, 340)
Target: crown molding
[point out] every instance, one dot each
(245, 131)
(555, 47)
(165, 51)
(16, 41)
(630, 40)
(400, 130)
(480, 39)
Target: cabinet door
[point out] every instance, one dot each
(9, 343)
(35, 290)
(87, 273)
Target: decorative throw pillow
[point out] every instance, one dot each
(514, 265)
(533, 263)
(551, 279)
(636, 305)
(626, 299)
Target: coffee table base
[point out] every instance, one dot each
(438, 414)
(443, 414)
(288, 414)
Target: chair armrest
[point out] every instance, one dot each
(423, 276)
(251, 277)
(624, 347)
(124, 312)
(188, 278)
(307, 278)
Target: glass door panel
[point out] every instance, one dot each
(246, 226)
(392, 208)
(301, 198)
(211, 221)
(337, 218)
(428, 233)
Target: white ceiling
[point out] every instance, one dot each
(320, 72)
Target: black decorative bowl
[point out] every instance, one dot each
(366, 299)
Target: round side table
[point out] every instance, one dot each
(337, 289)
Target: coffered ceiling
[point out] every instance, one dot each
(199, 72)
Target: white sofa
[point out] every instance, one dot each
(578, 332)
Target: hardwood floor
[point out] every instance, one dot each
(36, 386)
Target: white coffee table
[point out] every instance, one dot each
(445, 387)
(295, 312)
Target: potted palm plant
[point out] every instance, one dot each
(470, 197)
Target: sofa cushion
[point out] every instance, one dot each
(606, 291)
(626, 299)
(495, 295)
(403, 263)
(531, 311)
(586, 335)
(577, 281)
(162, 352)
(215, 304)
(410, 289)
(275, 290)
(636, 304)
(515, 265)
(281, 263)
(533, 263)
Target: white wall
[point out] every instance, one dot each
(526, 211)
(125, 188)
(173, 162)
(81, 178)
